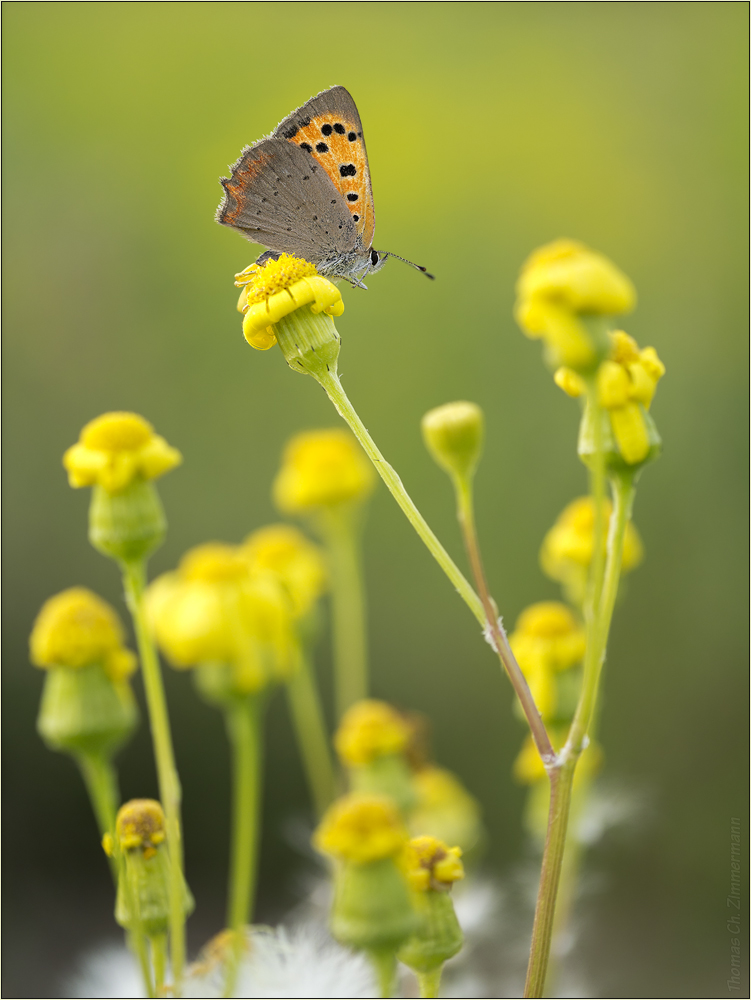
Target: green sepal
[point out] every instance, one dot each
(439, 936)
(309, 342)
(127, 526)
(147, 891)
(84, 711)
(372, 908)
(386, 775)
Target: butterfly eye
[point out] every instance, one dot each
(374, 257)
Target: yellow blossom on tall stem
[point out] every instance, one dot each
(119, 455)
(87, 707)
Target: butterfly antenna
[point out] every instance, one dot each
(411, 263)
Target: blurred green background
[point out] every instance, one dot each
(491, 128)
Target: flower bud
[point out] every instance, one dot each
(118, 454)
(372, 908)
(371, 742)
(298, 563)
(143, 900)
(87, 704)
(453, 435)
(432, 868)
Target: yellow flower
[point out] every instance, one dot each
(278, 288)
(213, 610)
(559, 284)
(286, 552)
(567, 548)
(626, 384)
(361, 829)
(77, 629)
(445, 809)
(140, 823)
(322, 469)
(431, 864)
(370, 729)
(560, 638)
(116, 449)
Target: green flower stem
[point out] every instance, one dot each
(100, 779)
(562, 775)
(134, 579)
(384, 962)
(158, 944)
(466, 515)
(488, 619)
(310, 729)
(430, 982)
(243, 720)
(339, 530)
(137, 944)
(333, 388)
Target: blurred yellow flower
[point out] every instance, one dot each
(77, 629)
(213, 610)
(445, 809)
(322, 469)
(361, 829)
(276, 289)
(116, 449)
(567, 548)
(559, 284)
(370, 729)
(432, 864)
(284, 550)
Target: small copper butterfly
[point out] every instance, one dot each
(305, 190)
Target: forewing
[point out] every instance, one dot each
(280, 197)
(328, 127)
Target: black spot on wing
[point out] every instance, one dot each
(339, 128)
(352, 196)
(306, 146)
(352, 136)
(347, 169)
(321, 147)
(326, 130)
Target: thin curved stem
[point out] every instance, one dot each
(134, 579)
(466, 515)
(487, 617)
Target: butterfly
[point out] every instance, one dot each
(305, 190)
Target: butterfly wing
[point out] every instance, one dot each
(329, 129)
(279, 196)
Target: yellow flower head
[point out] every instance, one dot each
(286, 552)
(555, 632)
(562, 282)
(431, 864)
(370, 729)
(445, 808)
(213, 610)
(275, 289)
(322, 469)
(77, 629)
(567, 548)
(116, 449)
(360, 829)
(140, 824)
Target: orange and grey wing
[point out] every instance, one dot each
(280, 197)
(328, 127)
